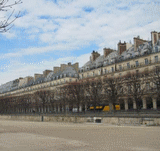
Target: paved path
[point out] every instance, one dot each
(47, 136)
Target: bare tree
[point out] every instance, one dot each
(155, 80)
(42, 97)
(135, 87)
(76, 94)
(93, 90)
(111, 86)
(7, 22)
(52, 100)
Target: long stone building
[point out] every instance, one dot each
(139, 57)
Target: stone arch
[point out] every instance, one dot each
(139, 103)
(149, 103)
(158, 103)
(122, 104)
(130, 103)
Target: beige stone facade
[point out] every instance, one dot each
(140, 57)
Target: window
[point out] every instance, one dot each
(137, 72)
(156, 58)
(157, 71)
(93, 73)
(99, 72)
(147, 85)
(105, 71)
(128, 65)
(138, 87)
(64, 80)
(137, 63)
(129, 89)
(70, 80)
(82, 75)
(146, 61)
(87, 74)
(156, 49)
(120, 67)
(112, 69)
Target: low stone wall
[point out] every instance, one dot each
(78, 119)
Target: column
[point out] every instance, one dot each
(154, 103)
(58, 108)
(41, 109)
(48, 109)
(80, 108)
(55, 109)
(134, 104)
(85, 107)
(67, 108)
(45, 109)
(126, 104)
(144, 103)
(62, 109)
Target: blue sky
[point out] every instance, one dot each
(52, 32)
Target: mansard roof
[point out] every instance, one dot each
(68, 71)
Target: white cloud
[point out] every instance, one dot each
(65, 26)
(18, 69)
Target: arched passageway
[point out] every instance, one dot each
(122, 104)
(139, 104)
(149, 103)
(130, 103)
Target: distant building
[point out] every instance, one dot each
(138, 57)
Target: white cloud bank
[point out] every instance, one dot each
(68, 25)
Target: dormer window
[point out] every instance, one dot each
(76, 75)
(99, 72)
(146, 61)
(156, 49)
(112, 69)
(120, 67)
(137, 63)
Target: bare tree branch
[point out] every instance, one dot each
(7, 23)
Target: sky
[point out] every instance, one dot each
(54, 32)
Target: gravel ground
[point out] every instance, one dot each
(47, 136)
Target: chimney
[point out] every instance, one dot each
(56, 69)
(63, 66)
(107, 51)
(46, 72)
(69, 63)
(76, 66)
(94, 56)
(36, 75)
(159, 35)
(138, 42)
(154, 37)
(121, 47)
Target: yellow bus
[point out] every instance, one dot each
(104, 108)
